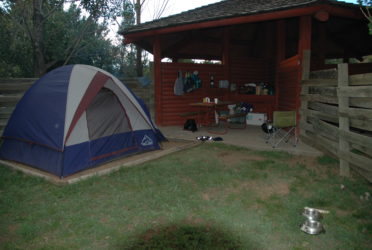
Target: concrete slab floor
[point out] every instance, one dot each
(251, 137)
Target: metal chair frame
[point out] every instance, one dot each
(282, 128)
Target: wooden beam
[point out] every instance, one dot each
(306, 60)
(157, 81)
(356, 91)
(280, 55)
(295, 12)
(319, 82)
(304, 89)
(361, 79)
(322, 15)
(305, 34)
(304, 52)
(280, 37)
(344, 122)
(322, 43)
(268, 40)
(226, 54)
(322, 90)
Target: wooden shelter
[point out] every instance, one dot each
(273, 42)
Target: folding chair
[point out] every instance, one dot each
(282, 128)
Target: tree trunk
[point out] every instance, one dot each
(139, 66)
(38, 38)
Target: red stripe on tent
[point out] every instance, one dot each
(31, 142)
(95, 86)
(112, 153)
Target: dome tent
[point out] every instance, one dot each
(74, 118)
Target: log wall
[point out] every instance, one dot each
(171, 105)
(241, 71)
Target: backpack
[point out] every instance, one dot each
(190, 125)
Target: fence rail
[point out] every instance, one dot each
(336, 117)
(12, 90)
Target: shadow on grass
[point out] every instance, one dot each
(184, 236)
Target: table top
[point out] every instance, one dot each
(210, 104)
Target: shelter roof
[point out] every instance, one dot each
(229, 9)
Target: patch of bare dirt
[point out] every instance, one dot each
(188, 181)
(261, 189)
(312, 164)
(12, 231)
(230, 158)
(210, 194)
(149, 234)
(194, 220)
(305, 160)
(264, 190)
(342, 213)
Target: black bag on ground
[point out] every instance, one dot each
(268, 129)
(190, 125)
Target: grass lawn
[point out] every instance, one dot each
(212, 196)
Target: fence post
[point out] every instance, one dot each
(305, 75)
(343, 105)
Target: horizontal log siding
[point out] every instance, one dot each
(249, 70)
(354, 68)
(288, 73)
(171, 105)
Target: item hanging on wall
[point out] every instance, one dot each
(191, 82)
(211, 83)
(179, 84)
(196, 79)
(224, 84)
(188, 84)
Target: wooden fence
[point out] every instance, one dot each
(336, 117)
(12, 90)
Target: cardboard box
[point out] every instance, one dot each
(256, 118)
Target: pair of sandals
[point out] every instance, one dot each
(209, 138)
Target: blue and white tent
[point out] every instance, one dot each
(76, 117)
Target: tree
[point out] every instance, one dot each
(139, 65)
(159, 7)
(366, 8)
(127, 53)
(63, 37)
(15, 47)
(33, 16)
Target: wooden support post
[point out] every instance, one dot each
(344, 122)
(306, 60)
(226, 54)
(280, 56)
(322, 44)
(304, 52)
(304, 89)
(157, 81)
(304, 47)
(305, 34)
(280, 36)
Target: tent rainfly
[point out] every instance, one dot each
(76, 117)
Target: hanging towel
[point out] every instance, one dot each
(178, 85)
